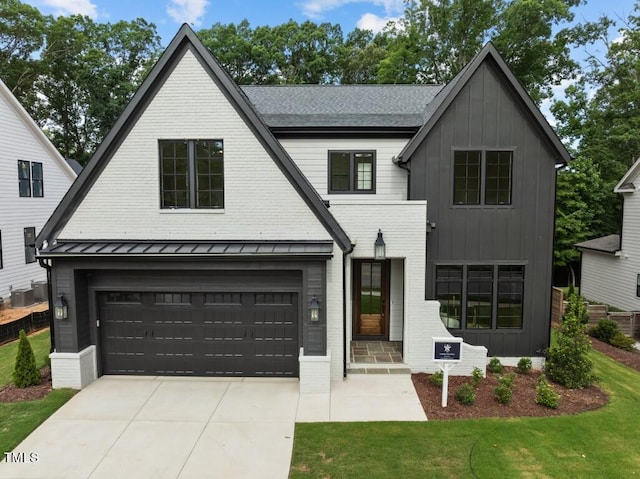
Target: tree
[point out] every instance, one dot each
(25, 372)
(92, 70)
(580, 199)
(22, 30)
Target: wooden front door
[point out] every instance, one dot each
(371, 307)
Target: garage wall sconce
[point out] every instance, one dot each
(314, 310)
(379, 247)
(60, 309)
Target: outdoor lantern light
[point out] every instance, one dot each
(314, 310)
(60, 310)
(379, 248)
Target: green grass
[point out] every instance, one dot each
(598, 444)
(40, 343)
(17, 420)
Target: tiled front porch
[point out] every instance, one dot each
(377, 357)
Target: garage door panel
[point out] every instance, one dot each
(207, 334)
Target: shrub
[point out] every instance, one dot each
(476, 377)
(605, 330)
(545, 394)
(26, 372)
(524, 365)
(576, 306)
(568, 360)
(623, 342)
(504, 390)
(465, 394)
(495, 366)
(436, 378)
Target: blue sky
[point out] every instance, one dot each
(168, 15)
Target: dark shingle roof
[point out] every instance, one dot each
(284, 106)
(605, 244)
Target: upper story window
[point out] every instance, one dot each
(352, 172)
(191, 174)
(30, 179)
(482, 177)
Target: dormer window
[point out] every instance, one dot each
(352, 172)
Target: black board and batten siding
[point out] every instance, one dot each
(486, 115)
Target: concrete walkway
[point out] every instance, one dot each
(153, 427)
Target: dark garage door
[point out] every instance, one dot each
(199, 334)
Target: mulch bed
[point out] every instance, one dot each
(572, 401)
(11, 393)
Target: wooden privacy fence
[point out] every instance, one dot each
(32, 322)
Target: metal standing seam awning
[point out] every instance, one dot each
(111, 248)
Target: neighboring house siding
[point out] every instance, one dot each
(311, 156)
(612, 279)
(20, 140)
(487, 115)
(260, 203)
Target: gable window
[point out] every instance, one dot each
(30, 179)
(30, 245)
(191, 174)
(24, 178)
(352, 172)
(480, 296)
(482, 177)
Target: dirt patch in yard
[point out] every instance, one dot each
(8, 315)
(11, 393)
(572, 401)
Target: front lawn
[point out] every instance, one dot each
(18, 419)
(601, 443)
(40, 343)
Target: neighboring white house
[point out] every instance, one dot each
(611, 264)
(33, 179)
(221, 230)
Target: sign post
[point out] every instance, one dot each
(447, 352)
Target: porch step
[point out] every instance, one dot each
(380, 368)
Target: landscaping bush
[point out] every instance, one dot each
(605, 330)
(495, 366)
(545, 394)
(623, 342)
(476, 377)
(26, 373)
(466, 394)
(568, 360)
(503, 392)
(436, 378)
(576, 306)
(524, 365)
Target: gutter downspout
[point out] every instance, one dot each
(47, 266)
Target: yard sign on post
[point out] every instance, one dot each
(447, 352)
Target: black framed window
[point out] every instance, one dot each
(1, 264)
(24, 178)
(172, 298)
(481, 296)
(482, 177)
(30, 245)
(510, 296)
(37, 181)
(449, 294)
(191, 174)
(638, 286)
(352, 171)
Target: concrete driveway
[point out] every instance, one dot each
(152, 427)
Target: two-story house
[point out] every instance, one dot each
(610, 265)
(33, 179)
(258, 231)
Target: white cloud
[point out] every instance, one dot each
(72, 7)
(187, 11)
(316, 8)
(370, 21)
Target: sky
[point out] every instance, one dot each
(168, 15)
